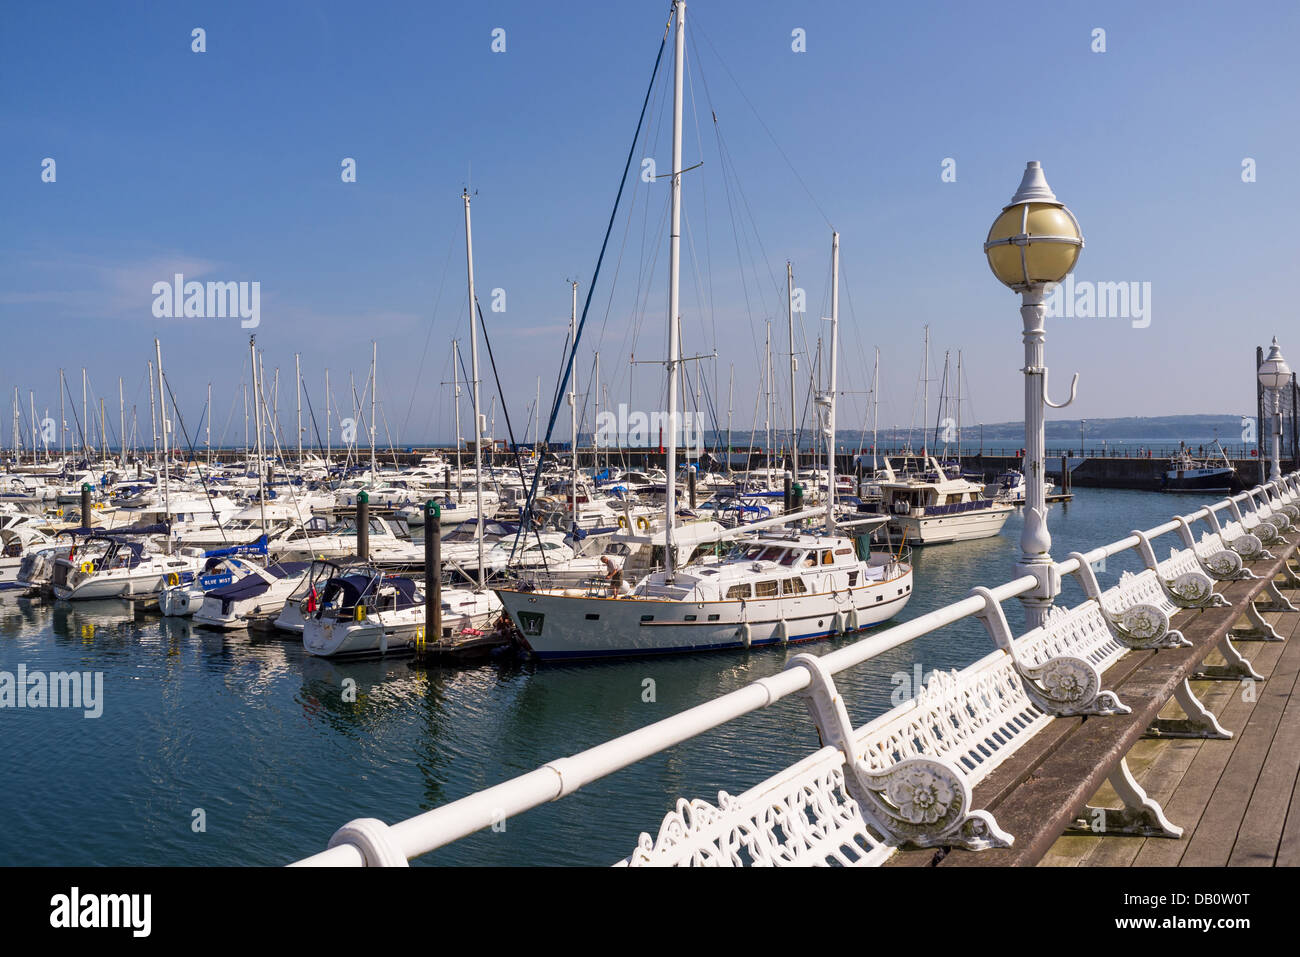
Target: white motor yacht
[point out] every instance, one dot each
(103, 565)
(774, 589)
(933, 509)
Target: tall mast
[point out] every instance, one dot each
(959, 411)
(85, 417)
(63, 426)
(817, 380)
(875, 411)
(162, 413)
(208, 440)
(121, 419)
(327, 419)
(276, 431)
(297, 374)
(537, 416)
(731, 397)
(455, 401)
(31, 395)
(768, 414)
(595, 456)
(944, 399)
(686, 444)
(257, 419)
(696, 430)
(674, 267)
(259, 402)
(374, 383)
(794, 368)
(830, 397)
(573, 403)
(925, 398)
(153, 414)
(478, 427)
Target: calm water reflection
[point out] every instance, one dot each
(276, 751)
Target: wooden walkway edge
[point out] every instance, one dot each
(1237, 800)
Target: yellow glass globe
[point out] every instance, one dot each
(1032, 243)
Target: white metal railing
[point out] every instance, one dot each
(370, 842)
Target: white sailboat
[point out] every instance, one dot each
(777, 587)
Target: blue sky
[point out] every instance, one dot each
(225, 165)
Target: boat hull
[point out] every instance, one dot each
(372, 638)
(1199, 480)
(554, 626)
(180, 601)
(942, 529)
(112, 586)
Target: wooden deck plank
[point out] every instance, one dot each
(1072, 774)
(1187, 805)
(1288, 849)
(1047, 783)
(1261, 827)
(1160, 778)
(1193, 766)
(1212, 842)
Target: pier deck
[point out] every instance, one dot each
(1238, 800)
(1233, 797)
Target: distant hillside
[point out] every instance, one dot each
(1173, 428)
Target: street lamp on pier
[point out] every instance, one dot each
(1033, 244)
(1274, 375)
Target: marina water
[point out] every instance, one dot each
(220, 749)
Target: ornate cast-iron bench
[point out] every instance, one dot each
(1247, 538)
(908, 779)
(911, 775)
(912, 771)
(1270, 511)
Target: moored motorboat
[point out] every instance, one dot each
(259, 592)
(364, 615)
(112, 566)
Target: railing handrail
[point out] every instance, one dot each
(440, 826)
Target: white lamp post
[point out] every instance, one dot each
(1274, 375)
(1034, 243)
